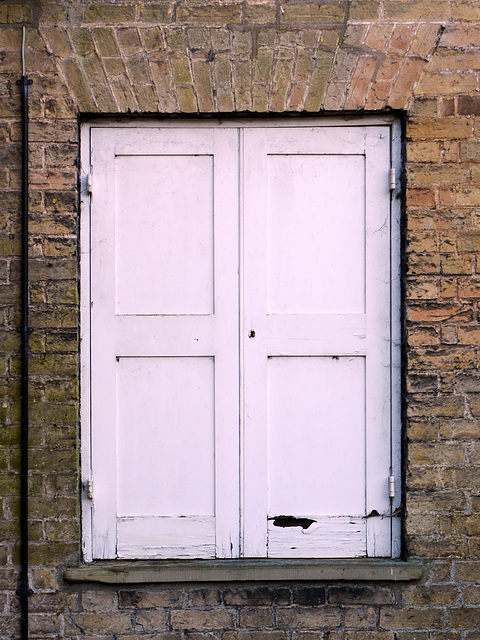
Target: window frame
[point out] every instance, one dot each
(85, 284)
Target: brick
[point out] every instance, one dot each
(308, 595)
(260, 13)
(437, 501)
(19, 13)
(214, 619)
(105, 42)
(364, 10)
(453, 60)
(360, 83)
(441, 128)
(281, 82)
(378, 35)
(241, 43)
(425, 40)
(409, 618)
(423, 289)
(460, 35)
(360, 617)
(465, 10)
(438, 173)
(186, 99)
(459, 429)
(469, 287)
(98, 601)
(297, 96)
(318, 83)
(449, 334)
(123, 92)
(313, 13)
(257, 596)
(423, 264)
(82, 41)
(469, 242)
(44, 579)
(57, 40)
(468, 478)
(446, 358)
(422, 478)
(52, 270)
(437, 453)
(136, 599)
(254, 635)
(110, 14)
(95, 623)
(129, 41)
(438, 312)
(153, 41)
(420, 242)
(464, 618)
(153, 620)
(208, 15)
(163, 81)
(54, 318)
(416, 9)
(471, 594)
(79, 84)
(423, 431)
(303, 617)
(423, 151)
(468, 196)
(176, 38)
(181, 69)
(203, 87)
(445, 83)
(420, 197)
(157, 13)
(157, 635)
(361, 635)
(469, 335)
(203, 597)
(242, 78)
(255, 618)
(355, 34)
(45, 624)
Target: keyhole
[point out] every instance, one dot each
(251, 334)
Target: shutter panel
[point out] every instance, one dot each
(165, 342)
(241, 341)
(315, 380)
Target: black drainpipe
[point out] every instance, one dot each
(24, 590)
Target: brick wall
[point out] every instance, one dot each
(421, 57)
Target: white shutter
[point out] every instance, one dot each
(316, 375)
(243, 351)
(164, 342)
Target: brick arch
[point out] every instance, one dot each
(152, 59)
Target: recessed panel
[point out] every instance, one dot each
(316, 436)
(164, 234)
(165, 418)
(316, 234)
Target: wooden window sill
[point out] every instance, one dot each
(249, 569)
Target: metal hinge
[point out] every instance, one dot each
(89, 183)
(88, 487)
(391, 486)
(393, 179)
